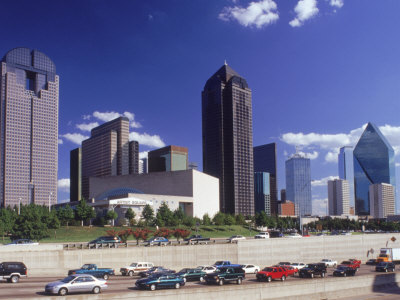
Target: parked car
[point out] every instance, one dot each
(160, 280)
(262, 235)
(207, 269)
(329, 262)
(298, 266)
(270, 273)
(371, 262)
(356, 262)
(284, 263)
(153, 270)
(344, 271)
(230, 274)
(136, 268)
(191, 274)
(106, 240)
(293, 235)
(92, 269)
(158, 240)
(76, 284)
(12, 271)
(251, 269)
(385, 267)
(197, 239)
(312, 270)
(225, 263)
(22, 242)
(234, 238)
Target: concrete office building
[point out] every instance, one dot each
(346, 170)
(338, 197)
(29, 92)
(265, 161)
(170, 158)
(227, 133)
(298, 183)
(262, 194)
(75, 175)
(381, 200)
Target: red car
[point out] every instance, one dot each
(355, 262)
(290, 271)
(269, 273)
(351, 264)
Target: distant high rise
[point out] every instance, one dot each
(346, 169)
(283, 195)
(373, 163)
(298, 183)
(75, 175)
(29, 89)
(265, 161)
(262, 195)
(143, 165)
(338, 197)
(133, 157)
(228, 139)
(382, 200)
(170, 158)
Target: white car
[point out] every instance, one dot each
(262, 235)
(293, 236)
(236, 238)
(135, 268)
(329, 262)
(207, 269)
(250, 269)
(298, 266)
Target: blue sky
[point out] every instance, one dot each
(319, 70)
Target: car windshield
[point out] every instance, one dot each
(152, 269)
(154, 276)
(219, 263)
(134, 265)
(268, 269)
(68, 279)
(341, 268)
(346, 262)
(310, 266)
(184, 270)
(382, 264)
(85, 267)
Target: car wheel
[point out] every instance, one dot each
(269, 278)
(96, 290)
(344, 275)
(201, 279)
(312, 275)
(283, 278)
(184, 279)
(221, 282)
(177, 285)
(239, 281)
(322, 274)
(14, 279)
(106, 276)
(130, 273)
(63, 292)
(153, 287)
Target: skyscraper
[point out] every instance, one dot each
(265, 161)
(75, 175)
(170, 158)
(381, 200)
(133, 157)
(346, 169)
(228, 139)
(262, 195)
(338, 197)
(373, 163)
(298, 183)
(29, 128)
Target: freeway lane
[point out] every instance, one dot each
(34, 286)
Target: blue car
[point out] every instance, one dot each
(158, 240)
(159, 281)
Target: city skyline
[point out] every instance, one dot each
(314, 85)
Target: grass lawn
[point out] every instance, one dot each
(85, 234)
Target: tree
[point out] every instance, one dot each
(219, 219)
(65, 215)
(189, 221)
(7, 220)
(206, 220)
(148, 214)
(112, 215)
(240, 220)
(178, 216)
(31, 223)
(130, 215)
(164, 232)
(229, 220)
(181, 233)
(84, 212)
(165, 216)
(53, 222)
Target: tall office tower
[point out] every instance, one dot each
(346, 169)
(381, 200)
(298, 183)
(143, 165)
(133, 157)
(227, 132)
(75, 175)
(338, 197)
(265, 161)
(283, 195)
(170, 158)
(262, 195)
(373, 163)
(29, 128)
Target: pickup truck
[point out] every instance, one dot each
(354, 264)
(225, 264)
(197, 239)
(92, 269)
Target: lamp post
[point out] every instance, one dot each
(51, 194)
(19, 206)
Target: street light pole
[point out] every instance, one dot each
(51, 194)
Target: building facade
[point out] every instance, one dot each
(373, 163)
(381, 200)
(298, 183)
(29, 93)
(75, 171)
(265, 161)
(262, 194)
(133, 157)
(227, 134)
(283, 195)
(338, 197)
(170, 158)
(346, 169)
(287, 208)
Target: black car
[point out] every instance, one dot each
(154, 270)
(230, 274)
(12, 271)
(371, 262)
(344, 271)
(312, 270)
(385, 267)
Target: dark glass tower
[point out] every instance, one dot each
(265, 161)
(373, 163)
(75, 175)
(228, 139)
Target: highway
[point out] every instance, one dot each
(32, 287)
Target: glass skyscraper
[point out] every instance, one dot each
(373, 163)
(28, 128)
(346, 169)
(298, 183)
(262, 194)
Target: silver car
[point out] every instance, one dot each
(76, 284)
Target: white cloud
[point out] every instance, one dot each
(336, 3)
(86, 117)
(311, 156)
(147, 140)
(397, 164)
(60, 141)
(87, 126)
(319, 206)
(304, 9)
(63, 184)
(111, 115)
(143, 154)
(322, 181)
(332, 156)
(75, 138)
(258, 14)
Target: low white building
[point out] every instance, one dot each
(381, 200)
